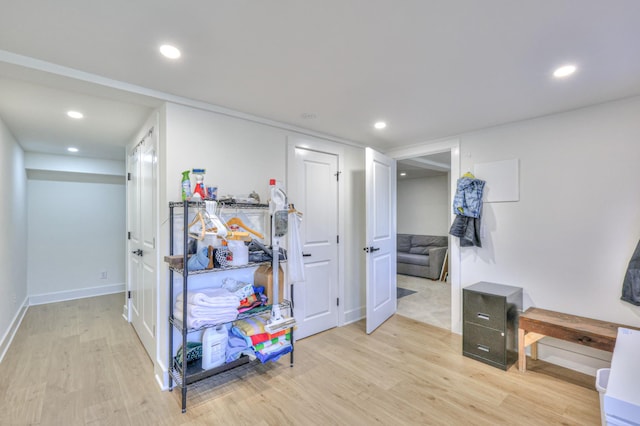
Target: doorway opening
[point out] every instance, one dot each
(433, 156)
(423, 209)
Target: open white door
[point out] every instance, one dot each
(381, 238)
(143, 256)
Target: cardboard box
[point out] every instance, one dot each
(264, 277)
(175, 261)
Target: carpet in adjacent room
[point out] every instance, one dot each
(402, 292)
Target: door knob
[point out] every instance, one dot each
(371, 249)
(137, 252)
(306, 254)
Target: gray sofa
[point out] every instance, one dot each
(421, 255)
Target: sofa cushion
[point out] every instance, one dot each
(404, 243)
(428, 240)
(419, 250)
(413, 259)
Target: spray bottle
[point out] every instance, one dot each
(186, 186)
(199, 189)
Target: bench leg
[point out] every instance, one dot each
(527, 339)
(522, 355)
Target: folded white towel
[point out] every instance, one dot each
(201, 319)
(198, 311)
(211, 297)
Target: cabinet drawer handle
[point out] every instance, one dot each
(483, 316)
(483, 348)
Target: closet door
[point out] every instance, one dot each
(314, 188)
(143, 256)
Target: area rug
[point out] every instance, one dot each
(402, 292)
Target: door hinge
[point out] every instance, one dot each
(128, 176)
(337, 239)
(338, 176)
(338, 301)
(129, 235)
(129, 294)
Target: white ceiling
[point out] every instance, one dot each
(430, 69)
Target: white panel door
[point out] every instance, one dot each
(143, 258)
(314, 188)
(381, 238)
(135, 264)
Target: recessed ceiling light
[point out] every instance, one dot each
(75, 114)
(169, 51)
(72, 149)
(403, 173)
(564, 71)
(380, 125)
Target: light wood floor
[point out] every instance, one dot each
(79, 362)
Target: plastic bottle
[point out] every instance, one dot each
(240, 252)
(214, 346)
(186, 186)
(199, 189)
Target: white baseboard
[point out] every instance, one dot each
(354, 315)
(6, 340)
(161, 375)
(61, 296)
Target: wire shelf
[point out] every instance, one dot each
(223, 204)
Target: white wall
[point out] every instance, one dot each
(423, 206)
(239, 155)
(568, 241)
(13, 244)
(76, 232)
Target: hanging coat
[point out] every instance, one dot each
(467, 206)
(631, 284)
(468, 198)
(468, 229)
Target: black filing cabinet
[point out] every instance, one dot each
(490, 323)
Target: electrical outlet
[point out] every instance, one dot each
(15, 298)
(103, 275)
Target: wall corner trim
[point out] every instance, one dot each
(6, 340)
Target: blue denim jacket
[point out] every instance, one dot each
(468, 198)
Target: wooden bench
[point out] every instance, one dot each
(536, 323)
